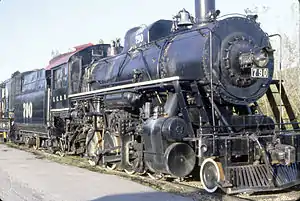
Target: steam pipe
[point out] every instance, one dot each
(204, 9)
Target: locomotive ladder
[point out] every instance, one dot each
(284, 102)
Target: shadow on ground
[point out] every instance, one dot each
(154, 196)
(160, 196)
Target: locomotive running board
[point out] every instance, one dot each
(126, 86)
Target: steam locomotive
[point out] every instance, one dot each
(179, 98)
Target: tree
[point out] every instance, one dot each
(54, 53)
(256, 10)
(101, 41)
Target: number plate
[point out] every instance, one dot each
(260, 72)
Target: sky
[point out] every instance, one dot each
(31, 29)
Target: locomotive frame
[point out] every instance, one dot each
(159, 112)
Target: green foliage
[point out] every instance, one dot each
(291, 84)
(101, 41)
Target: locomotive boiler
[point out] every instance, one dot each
(238, 53)
(179, 99)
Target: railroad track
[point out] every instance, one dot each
(184, 188)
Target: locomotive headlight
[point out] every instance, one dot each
(261, 58)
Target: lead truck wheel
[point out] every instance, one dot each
(210, 174)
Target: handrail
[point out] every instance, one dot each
(280, 77)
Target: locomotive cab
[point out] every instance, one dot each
(59, 86)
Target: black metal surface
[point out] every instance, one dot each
(122, 100)
(183, 108)
(29, 102)
(141, 64)
(161, 153)
(236, 35)
(180, 159)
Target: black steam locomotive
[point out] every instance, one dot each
(180, 97)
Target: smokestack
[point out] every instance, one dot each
(203, 10)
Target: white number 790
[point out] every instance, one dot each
(27, 110)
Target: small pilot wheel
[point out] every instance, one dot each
(210, 175)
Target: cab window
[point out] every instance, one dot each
(60, 77)
(33, 81)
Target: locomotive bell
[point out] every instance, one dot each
(184, 18)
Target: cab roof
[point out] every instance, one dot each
(64, 58)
